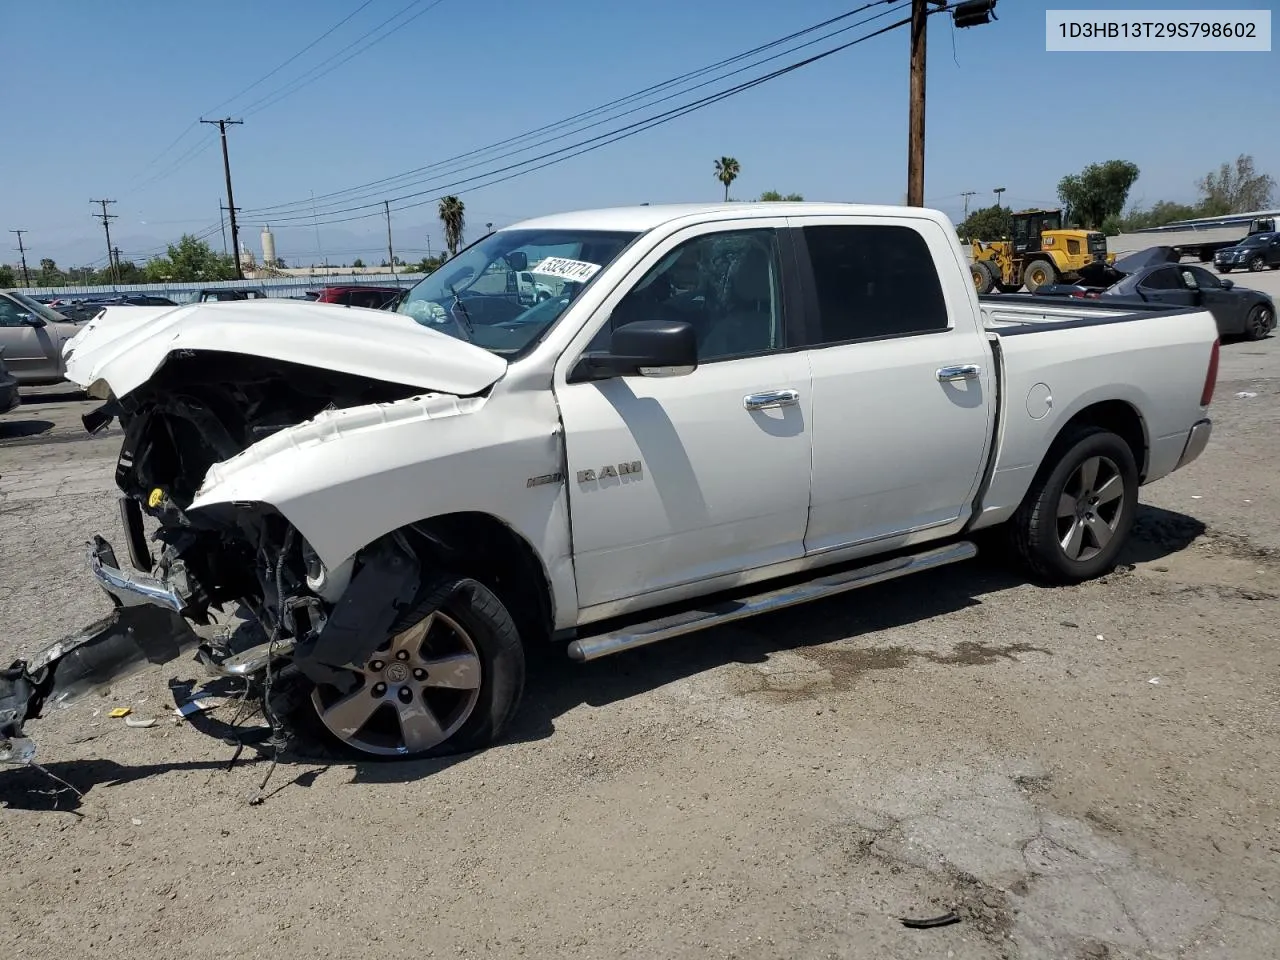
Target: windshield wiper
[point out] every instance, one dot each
(460, 309)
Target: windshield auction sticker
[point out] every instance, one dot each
(566, 269)
(1157, 31)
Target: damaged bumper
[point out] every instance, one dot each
(130, 588)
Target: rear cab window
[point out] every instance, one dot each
(871, 282)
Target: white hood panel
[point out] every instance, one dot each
(124, 351)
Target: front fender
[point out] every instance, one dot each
(347, 477)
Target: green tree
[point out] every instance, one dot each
(7, 276)
(773, 196)
(50, 275)
(190, 260)
(1097, 192)
(357, 264)
(727, 170)
(1235, 188)
(453, 215)
(988, 223)
(1159, 214)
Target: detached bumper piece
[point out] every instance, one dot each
(127, 587)
(1197, 440)
(146, 627)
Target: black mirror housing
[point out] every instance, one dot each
(651, 348)
(1227, 284)
(517, 260)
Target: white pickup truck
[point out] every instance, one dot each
(725, 410)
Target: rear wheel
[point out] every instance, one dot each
(1259, 323)
(1080, 508)
(447, 680)
(1037, 274)
(983, 278)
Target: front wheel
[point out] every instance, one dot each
(1080, 508)
(446, 681)
(983, 278)
(1224, 269)
(1039, 273)
(1257, 264)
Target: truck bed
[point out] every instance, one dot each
(1056, 357)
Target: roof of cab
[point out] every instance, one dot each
(642, 218)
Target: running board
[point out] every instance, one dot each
(726, 611)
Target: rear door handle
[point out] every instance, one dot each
(771, 399)
(961, 371)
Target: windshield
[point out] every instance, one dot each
(39, 309)
(503, 292)
(1257, 240)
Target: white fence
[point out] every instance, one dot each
(274, 287)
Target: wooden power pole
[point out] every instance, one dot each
(106, 219)
(231, 200)
(22, 251)
(915, 122)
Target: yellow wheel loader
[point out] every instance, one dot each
(1040, 253)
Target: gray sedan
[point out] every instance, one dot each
(31, 339)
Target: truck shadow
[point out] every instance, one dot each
(555, 685)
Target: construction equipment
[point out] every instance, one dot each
(1040, 253)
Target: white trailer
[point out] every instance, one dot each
(1197, 238)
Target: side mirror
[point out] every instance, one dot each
(647, 348)
(1227, 284)
(517, 260)
(31, 320)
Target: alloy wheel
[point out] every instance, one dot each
(1089, 508)
(414, 693)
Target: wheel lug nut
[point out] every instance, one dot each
(419, 674)
(402, 654)
(405, 694)
(379, 689)
(376, 665)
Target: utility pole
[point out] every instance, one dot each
(22, 251)
(231, 200)
(116, 253)
(997, 191)
(970, 13)
(106, 225)
(915, 122)
(967, 194)
(391, 256)
(222, 222)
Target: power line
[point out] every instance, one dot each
(283, 92)
(313, 43)
(383, 183)
(622, 133)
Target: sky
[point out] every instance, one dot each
(104, 98)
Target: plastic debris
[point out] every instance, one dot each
(1196, 496)
(1100, 637)
(119, 712)
(198, 704)
(1155, 680)
(1245, 395)
(923, 924)
(139, 721)
(136, 822)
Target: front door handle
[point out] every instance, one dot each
(961, 371)
(771, 399)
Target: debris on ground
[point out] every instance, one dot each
(925, 923)
(119, 712)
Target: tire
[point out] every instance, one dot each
(1008, 287)
(1257, 264)
(1258, 323)
(469, 637)
(1046, 543)
(1224, 269)
(1037, 274)
(983, 279)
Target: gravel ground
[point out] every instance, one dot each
(1087, 772)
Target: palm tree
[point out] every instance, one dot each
(452, 215)
(727, 170)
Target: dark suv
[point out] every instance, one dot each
(357, 295)
(1253, 253)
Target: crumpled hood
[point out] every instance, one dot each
(125, 350)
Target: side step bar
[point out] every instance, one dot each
(726, 611)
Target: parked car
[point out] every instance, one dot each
(1149, 277)
(725, 410)
(226, 294)
(8, 387)
(32, 335)
(357, 295)
(1257, 252)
